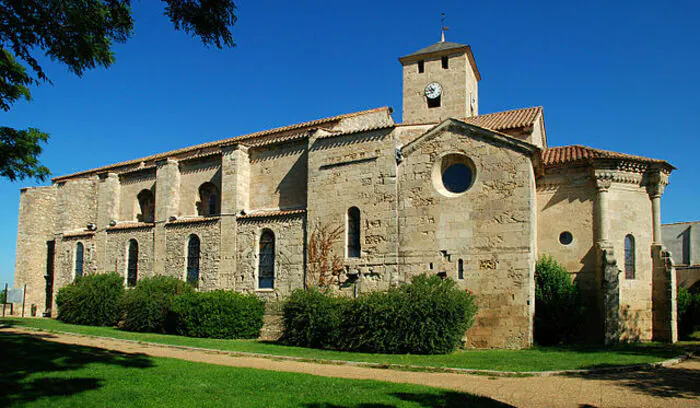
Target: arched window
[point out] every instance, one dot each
(193, 260)
(460, 269)
(266, 268)
(147, 206)
(630, 257)
(209, 200)
(353, 233)
(132, 264)
(79, 254)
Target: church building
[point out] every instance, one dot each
(473, 197)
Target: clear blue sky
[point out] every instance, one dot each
(616, 75)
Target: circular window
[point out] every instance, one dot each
(453, 174)
(565, 238)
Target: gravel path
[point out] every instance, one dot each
(675, 386)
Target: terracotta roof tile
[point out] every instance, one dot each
(507, 119)
(257, 136)
(194, 220)
(555, 156)
(130, 225)
(271, 213)
(76, 234)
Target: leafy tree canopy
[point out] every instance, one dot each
(80, 35)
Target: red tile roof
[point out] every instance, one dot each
(271, 213)
(555, 156)
(511, 119)
(263, 137)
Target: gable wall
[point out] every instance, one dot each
(491, 227)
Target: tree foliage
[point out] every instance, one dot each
(78, 34)
(559, 308)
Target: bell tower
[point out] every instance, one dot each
(440, 82)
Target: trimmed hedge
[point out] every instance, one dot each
(147, 307)
(219, 314)
(428, 316)
(559, 308)
(688, 306)
(92, 300)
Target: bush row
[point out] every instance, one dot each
(428, 316)
(161, 304)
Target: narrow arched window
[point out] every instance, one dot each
(193, 260)
(630, 257)
(209, 200)
(353, 233)
(266, 268)
(147, 206)
(460, 269)
(132, 264)
(79, 254)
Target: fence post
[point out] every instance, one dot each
(4, 302)
(24, 298)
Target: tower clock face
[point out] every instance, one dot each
(433, 90)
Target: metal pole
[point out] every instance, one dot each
(4, 302)
(24, 298)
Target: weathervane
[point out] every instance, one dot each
(444, 27)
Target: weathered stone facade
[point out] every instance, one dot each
(476, 198)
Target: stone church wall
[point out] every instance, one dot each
(65, 259)
(76, 204)
(194, 173)
(490, 227)
(177, 238)
(130, 186)
(117, 250)
(630, 213)
(566, 203)
(357, 170)
(37, 209)
(278, 176)
(289, 255)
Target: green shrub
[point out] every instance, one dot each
(147, 307)
(219, 314)
(688, 306)
(93, 300)
(313, 319)
(428, 316)
(3, 296)
(559, 309)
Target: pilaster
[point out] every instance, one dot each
(167, 205)
(235, 179)
(108, 192)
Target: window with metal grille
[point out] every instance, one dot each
(353, 233)
(132, 264)
(193, 260)
(630, 268)
(79, 253)
(266, 267)
(460, 269)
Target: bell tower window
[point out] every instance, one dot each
(421, 66)
(445, 63)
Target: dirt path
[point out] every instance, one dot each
(676, 386)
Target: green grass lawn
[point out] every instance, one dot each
(37, 373)
(534, 359)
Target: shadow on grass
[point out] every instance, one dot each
(24, 355)
(659, 382)
(442, 399)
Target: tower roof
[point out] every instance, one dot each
(443, 48)
(438, 46)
